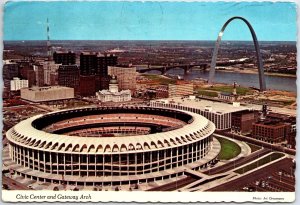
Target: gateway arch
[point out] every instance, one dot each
(262, 82)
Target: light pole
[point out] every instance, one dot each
(280, 173)
(176, 181)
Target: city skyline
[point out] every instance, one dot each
(148, 20)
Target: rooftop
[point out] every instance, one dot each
(107, 92)
(271, 123)
(205, 104)
(46, 88)
(63, 52)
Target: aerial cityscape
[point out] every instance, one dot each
(179, 115)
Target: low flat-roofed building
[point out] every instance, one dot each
(227, 96)
(217, 112)
(49, 93)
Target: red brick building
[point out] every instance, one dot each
(87, 86)
(242, 121)
(291, 140)
(269, 131)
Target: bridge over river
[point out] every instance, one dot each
(186, 67)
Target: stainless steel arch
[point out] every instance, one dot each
(262, 82)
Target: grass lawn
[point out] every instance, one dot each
(229, 149)
(207, 93)
(160, 79)
(260, 162)
(229, 88)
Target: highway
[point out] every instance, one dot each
(273, 147)
(175, 185)
(238, 162)
(264, 172)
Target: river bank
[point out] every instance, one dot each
(252, 71)
(234, 70)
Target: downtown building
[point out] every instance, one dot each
(94, 73)
(50, 69)
(269, 131)
(242, 121)
(180, 89)
(46, 94)
(68, 76)
(17, 84)
(157, 92)
(219, 113)
(126, 77)
(10, 71)
(113, 94)
(27, 71)
(39, 74)
(276, 128)
(64, 58)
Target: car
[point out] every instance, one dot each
(251, 189)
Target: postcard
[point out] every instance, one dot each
(149, 101)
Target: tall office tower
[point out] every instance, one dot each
(102, 78)
(103, 61)
(49, 68)
(39, 75)
(10, 70)
(31, 77)
(92, 63)
(88, 63)
(64, 58)
(68, 76)
(96, 64)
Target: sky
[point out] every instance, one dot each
(148, 20)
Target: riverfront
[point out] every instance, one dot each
(282, 83)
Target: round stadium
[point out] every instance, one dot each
(108, 146)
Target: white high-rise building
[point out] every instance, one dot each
(49, 68)
(17, 84)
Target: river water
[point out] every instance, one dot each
(244, 79)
